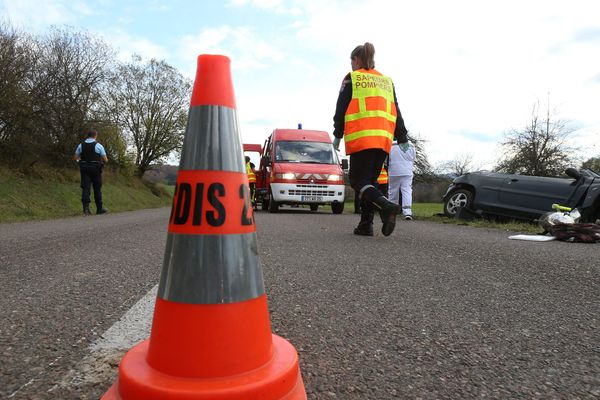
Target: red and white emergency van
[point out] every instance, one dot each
(299, 166)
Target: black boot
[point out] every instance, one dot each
(102, 210)
(365, 226)
(86, 210)
(388, 212)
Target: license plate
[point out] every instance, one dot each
(312, 198)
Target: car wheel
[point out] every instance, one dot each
(314, 207)
(273, 206)
(460, 198)
(337, 208)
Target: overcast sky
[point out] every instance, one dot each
(465, 72)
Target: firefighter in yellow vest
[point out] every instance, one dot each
(367, 117)
(382, 181)
(251, 180)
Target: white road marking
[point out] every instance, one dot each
(101, 365)
(132, 328)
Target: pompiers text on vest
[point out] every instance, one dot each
(372, 81)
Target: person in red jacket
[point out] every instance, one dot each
(368, 118)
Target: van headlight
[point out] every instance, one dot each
(287, 176)
(335, 178)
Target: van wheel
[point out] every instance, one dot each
(314, 207)
(273, 206)
(337, 208)
(264, 204)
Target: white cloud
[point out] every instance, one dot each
(37, 16)
(247, 50)
(461, 66)
(276, 6)
(159, 6)
(126, 45)
(469, 65)
(465, 71)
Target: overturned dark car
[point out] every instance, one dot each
(524, 197)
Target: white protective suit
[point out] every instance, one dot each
(400, 171)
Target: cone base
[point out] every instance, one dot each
(279, 379)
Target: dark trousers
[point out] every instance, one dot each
(253, 193)
(356, 203)
(365, 167)
(91, 175)
(382, 188)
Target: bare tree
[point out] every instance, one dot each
(115, 143)
(593, 164)
(149, 101)
(422, 167)
(542, 148)
(48, 87)
(66, 86)
(17, 61)
(460, 165)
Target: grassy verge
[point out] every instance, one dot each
(50, 193)
(431, 211)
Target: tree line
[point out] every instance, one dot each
(545, 146)
(57, 86)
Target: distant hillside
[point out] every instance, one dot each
(166, 174)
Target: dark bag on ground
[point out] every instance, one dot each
(581, 233)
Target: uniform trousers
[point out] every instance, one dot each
(365, 167)
(401, 186)
(91, 176)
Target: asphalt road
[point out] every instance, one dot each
(433, 311)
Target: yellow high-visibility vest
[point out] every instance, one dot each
(251, 174)
(370, 120)
(383, 178)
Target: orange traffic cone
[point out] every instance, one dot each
(211, 336)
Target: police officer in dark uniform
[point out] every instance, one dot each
(91, 157)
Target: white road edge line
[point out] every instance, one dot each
(106, 352)
(132, 328)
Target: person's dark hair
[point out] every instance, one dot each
(91, 134)
(247, 158)
(366, 54)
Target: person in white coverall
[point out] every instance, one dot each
(400, 171)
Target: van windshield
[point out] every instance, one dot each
(305, 152)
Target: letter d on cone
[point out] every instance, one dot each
(211, 337)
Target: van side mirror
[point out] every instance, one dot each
(266, 161)
(345, 163)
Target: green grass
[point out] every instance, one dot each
(431, 211)
(47, 194)
(426, 210)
